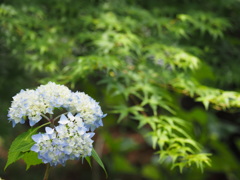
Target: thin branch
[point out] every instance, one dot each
(59, 116)
(47, 172)
(45, 117)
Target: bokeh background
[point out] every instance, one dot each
(155, 57)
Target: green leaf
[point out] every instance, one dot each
(124, 110)
(20, 145)
(31, 158)
(99, 161)
(88, 160)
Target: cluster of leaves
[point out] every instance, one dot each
(20, 149)
(147, 56)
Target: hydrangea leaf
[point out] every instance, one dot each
(88, 160)
(20, 145)
(31, 158)
(99, 161)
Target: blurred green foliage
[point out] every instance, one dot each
(166, 71)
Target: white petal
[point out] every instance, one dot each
(63, 119)
(70, 116)
(49, 130)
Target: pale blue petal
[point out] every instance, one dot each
(78, 115)
(35, 148)
(37, 137)
(31, 122)
(70, 116)
(91, 134)
(63, 119)
(49, 130)
(13, 123)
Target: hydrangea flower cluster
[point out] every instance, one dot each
(26, 103)
(67, 141)
(34, 104)
(71, 138)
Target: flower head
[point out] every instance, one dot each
(26, 104)
(88, 108)
(67, 141)
(54, 95)
(33, 104)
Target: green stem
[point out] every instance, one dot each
(44, 124)
(45, 116)
(60, 116)
(47, 172)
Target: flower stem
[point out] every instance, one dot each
(47, 172)
(59, 116)
(45, 116)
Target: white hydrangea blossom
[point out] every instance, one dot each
(33, 104)
(88, 108)
(26, 103)
(54, 95)
(67, 141)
